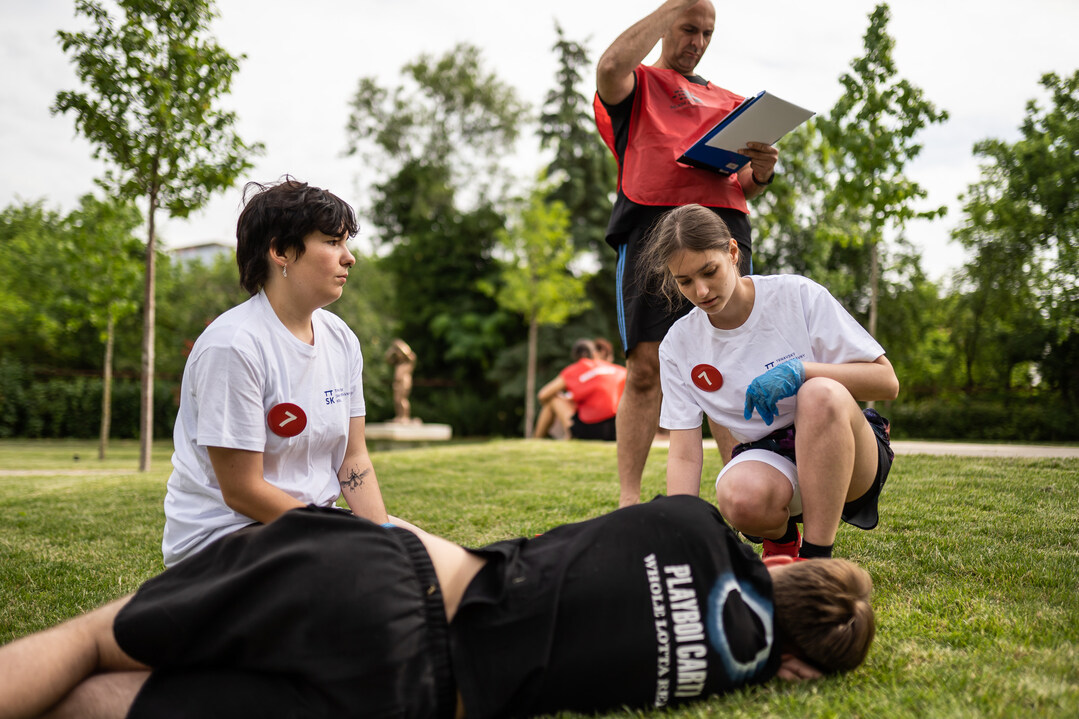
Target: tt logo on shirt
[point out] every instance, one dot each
(334, 396)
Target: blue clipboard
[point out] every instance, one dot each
(761, 118)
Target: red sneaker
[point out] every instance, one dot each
(786, 549)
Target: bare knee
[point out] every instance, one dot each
(824, 400)
(642, 369)
(749, 504)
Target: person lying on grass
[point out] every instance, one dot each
(323, 613)
(777, 361)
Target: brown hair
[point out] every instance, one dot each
(690, 227)
(583, 349)
(604, 349)
(822, 608)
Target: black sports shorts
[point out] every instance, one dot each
(317, 614)
(604, 430)
(644, 316)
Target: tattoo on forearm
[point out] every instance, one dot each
(355, 479)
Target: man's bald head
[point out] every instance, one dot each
(687, 38)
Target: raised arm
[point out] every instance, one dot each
(614, 71)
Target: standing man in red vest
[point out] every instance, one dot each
(648, 115)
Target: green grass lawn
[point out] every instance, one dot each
(976, 561)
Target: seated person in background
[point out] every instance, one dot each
(583, 397)
(653, 605)
(604, 349)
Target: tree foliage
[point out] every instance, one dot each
(582, 169)
(838, 208)
(31, 319)
(1020, 289)
(439, 140)
(154, 81)
(104, 259)
(871, 136)
(536, 280)
(104, 254)
(582, 176)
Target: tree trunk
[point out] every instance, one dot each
(106, 389)
(146, 406)
(530, 377)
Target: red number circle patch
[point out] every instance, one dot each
(286, 420)
(707, 378)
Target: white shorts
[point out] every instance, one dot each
(784, 465)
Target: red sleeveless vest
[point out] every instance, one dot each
(669, 113)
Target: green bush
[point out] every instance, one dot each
(470, 414)
(1011, 419)
(70, 407)
(13, 380)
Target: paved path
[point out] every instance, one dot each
(958, 449)
(964, 449)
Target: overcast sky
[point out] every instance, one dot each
(979, 61)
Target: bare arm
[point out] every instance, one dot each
(245, 489)
(551, 389)
(614, 71)
(359, 486)
(685, 460)
(874, 380)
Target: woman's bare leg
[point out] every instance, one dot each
(837, 456)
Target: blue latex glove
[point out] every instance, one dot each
(777, 383)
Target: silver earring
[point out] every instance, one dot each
(284, 271)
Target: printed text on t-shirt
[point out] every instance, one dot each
(680, 636)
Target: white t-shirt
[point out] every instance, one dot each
(792, 318)
(242, 367)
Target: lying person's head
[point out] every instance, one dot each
(822, 610)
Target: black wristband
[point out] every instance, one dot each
(762, 183)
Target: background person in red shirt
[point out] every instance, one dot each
(583, 397)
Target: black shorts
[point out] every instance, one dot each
(644, 316)
(861, 512)
(318, 614)
(604, 430)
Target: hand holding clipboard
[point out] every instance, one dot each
(761, 118)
